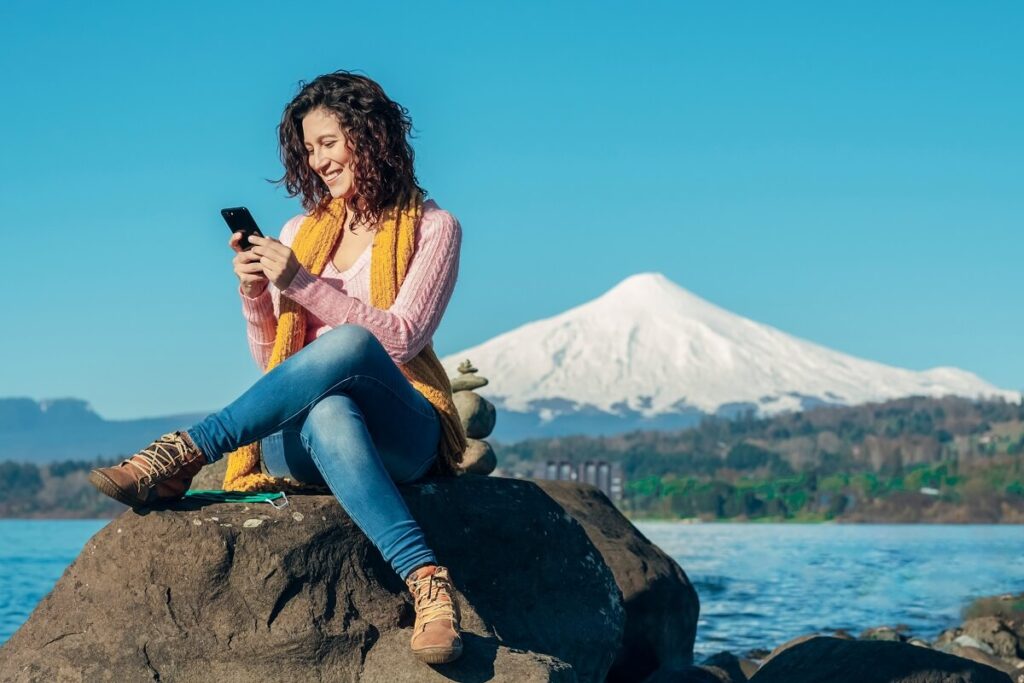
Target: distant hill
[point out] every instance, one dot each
(68, 429)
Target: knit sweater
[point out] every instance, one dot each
(336, 297)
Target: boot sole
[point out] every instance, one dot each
(109, 488)
(439, 655)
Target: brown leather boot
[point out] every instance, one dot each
(435, 636)
(160, 473)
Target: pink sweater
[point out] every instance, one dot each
(337, 297)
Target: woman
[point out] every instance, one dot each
(340, 313)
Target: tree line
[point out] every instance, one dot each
(909, 459)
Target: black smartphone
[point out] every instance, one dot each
(240, 220)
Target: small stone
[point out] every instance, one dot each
(225, 525)
(465, 367)
(886, 633)
(197, 522)
(477, 414)
(468, 383)
(252, 523)
(965, 640)
(297, 516)
(478, 458)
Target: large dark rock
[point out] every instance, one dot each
(661, 603)
(235, 592)
(824, 659)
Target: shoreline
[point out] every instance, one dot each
(634, 519)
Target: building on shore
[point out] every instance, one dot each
(607, 476)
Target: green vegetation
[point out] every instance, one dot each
(914, 459)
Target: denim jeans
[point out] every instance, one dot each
(339, 412)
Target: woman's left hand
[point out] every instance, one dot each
(278, 261)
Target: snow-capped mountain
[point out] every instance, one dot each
(649, 354)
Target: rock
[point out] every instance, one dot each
(884, 633)
(477, 413)
(478, 458)
(211, 477)
(314, 600)
(692, 674)
(785, 646)
(468, 383)
(835, 660)
(739, 670)
(1004, 637)
(661, 604)
(758, 654)
(982, 657)
(467, 379)
(967, 641)
(992, 640)
(1007, 606)
(993, 635)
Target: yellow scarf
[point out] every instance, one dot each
(391, 253)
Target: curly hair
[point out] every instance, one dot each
(378, 129)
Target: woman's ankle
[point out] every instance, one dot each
(416, 571)
(206, 459)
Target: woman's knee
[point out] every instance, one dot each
(349, 333)
(345, 343)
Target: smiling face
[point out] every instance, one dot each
(329, 152)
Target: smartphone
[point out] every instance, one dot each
(240, 220)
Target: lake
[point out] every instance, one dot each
(759, 584)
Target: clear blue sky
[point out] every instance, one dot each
(848, 172)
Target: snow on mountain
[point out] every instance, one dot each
(648, 347)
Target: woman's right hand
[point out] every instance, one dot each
(247, 268)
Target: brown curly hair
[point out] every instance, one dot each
(378, 128)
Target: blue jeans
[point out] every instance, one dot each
(339, 412)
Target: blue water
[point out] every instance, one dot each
(762, 584)
(759, 584)
(33, 555)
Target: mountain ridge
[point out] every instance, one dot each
(648, 349)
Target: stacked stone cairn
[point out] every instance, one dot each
(478, 417)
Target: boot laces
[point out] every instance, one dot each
(160, 460)
(429, 603)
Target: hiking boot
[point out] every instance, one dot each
(160, 473)
(435, 636)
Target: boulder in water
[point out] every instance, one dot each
(835, 660)
(661, 604)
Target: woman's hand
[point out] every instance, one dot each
(278, 261)
(247, 268)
